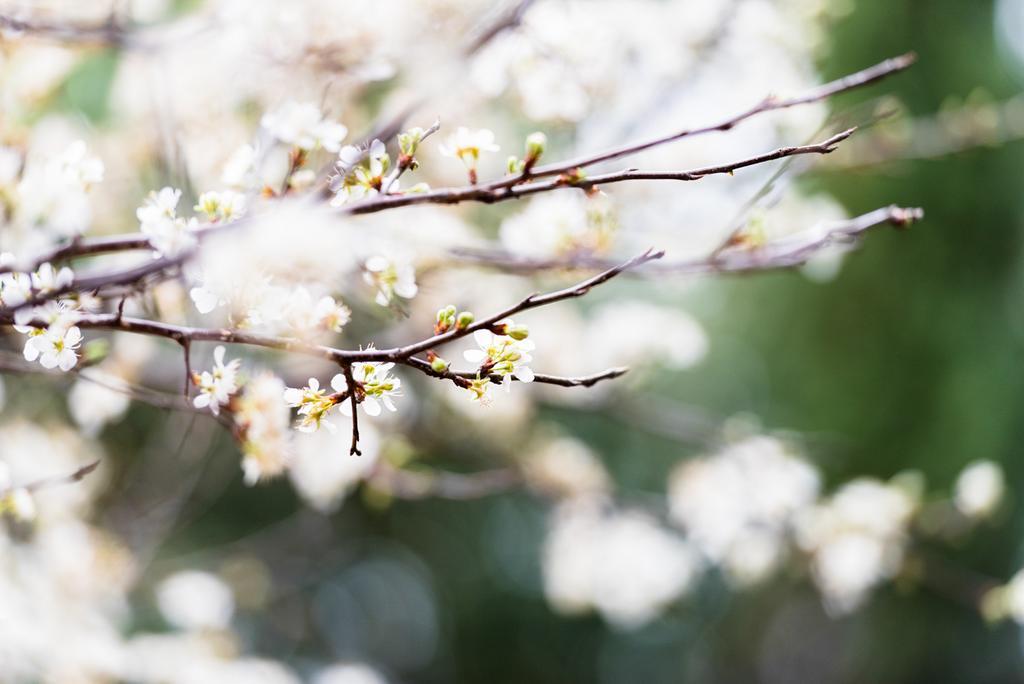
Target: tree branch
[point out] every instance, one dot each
(788, 252)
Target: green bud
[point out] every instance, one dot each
(446, 314)
(439, 365)
(514, 165)
(517, 332)
(410, 140)
(536, 143)
(464, 320)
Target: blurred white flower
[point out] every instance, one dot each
(739, 505)
(169, 235)
(52, 193)
(308, 317)
(680, 341)
(979, 489)
(323, 472)
(356, 181)
(263, 420)
(303, 125)
(15, 288)
(48, 279)
(223, 206)
(391, 278)
(93, 405)
(856, 539)
(560, 224)
(622, 564)
(239, 171)
(349, 673)
(566, 467)
(467, 145)
(193, 600)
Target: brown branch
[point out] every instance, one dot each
(491, 193)
(106, 33)
(414, 484)
(55, 481)
(181, 334)
(509, 20)
(787, 252)
(350, 381)
(402, 354)
(584, 381)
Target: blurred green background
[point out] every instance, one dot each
(909, 359)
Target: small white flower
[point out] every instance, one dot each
(305, 316)
(217, 386)
(240, 170)
(48, 279)
(301, 124)
(467, 145)
(205, 300)
(331, 315)
(263, 423)
(313, 404)
(223, 206)
(15, 288)
(193, 600)
(502, 355)
(56, 348)
(979, 488)
(20, 504)
(376, 385)
(169, 235)
(391, 278)
(357, 181)
(159, 205)
(78, 167)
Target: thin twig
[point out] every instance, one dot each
(784, 253)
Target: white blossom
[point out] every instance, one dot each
(623, 564)
(357, 181)
(502, 355)
(375, 384)
(313, 404)
(55, 347)
(93, 405)
(979, 489)
(264, 422)
(391, 278)
(47, 279)
(301, 124)
(193, 600)
(53, 193)
(169, 234)
(218, 385)
(467, 145)
(222, 206)
(856, 539)
(739, 505)
(323, 472)
(349, 673)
